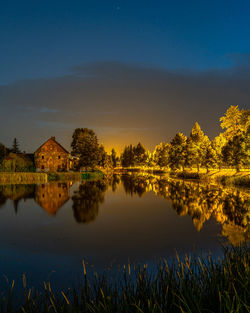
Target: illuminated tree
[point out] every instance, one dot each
(218, 143)
(178, 151)
(237, 151)
(196, 146)
(235, 121)
(209, 157)
(161, 154)
(85, 146)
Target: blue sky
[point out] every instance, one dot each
(50, 40)
(47, 38)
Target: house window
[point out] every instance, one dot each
(42, 156)
(59, 157)
(42, 167)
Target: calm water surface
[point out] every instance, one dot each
(47, 230)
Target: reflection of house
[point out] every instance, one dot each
(51, 157)
(52, 196)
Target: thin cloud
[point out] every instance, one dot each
(137, 103)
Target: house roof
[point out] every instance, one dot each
(54, 139)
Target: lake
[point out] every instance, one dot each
(47, 230)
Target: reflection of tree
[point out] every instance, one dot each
(16, 193)
(2, 199)
(228, 206)
(114, 182)
(87, 199)
(134, 184)
(51, 197)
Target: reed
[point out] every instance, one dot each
(190, 285)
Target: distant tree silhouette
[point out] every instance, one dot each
(3, 152)
(15, 146)
(105, 159)
(140, 155)
(114, 158)
(127, 156)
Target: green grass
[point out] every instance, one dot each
(191, 285)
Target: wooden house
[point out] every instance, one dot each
(51, 157)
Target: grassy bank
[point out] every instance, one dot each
(36, 178)
(74, 176)
(23, 178)
(224, 177)
(193, 285)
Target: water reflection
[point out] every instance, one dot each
(228, 206)
(16, 193)
(87, 199)
(51, 197)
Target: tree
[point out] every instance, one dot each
(160, 155)
(235, 121)
(127, 156)
(217, 144)
(17, 163)
(178, 151)
(3, 152)
(105, 159)
(140, 155)
(196, 146)
(85, 146)
(114, 158)
(15, 146)
(237, 151)
(209, 157)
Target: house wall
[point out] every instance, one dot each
(51, 158)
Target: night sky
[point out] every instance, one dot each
(130, 70)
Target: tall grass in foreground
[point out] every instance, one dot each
(193, 285)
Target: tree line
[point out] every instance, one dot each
(229, 148)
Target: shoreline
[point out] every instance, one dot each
(37, 178)
(225, 177)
